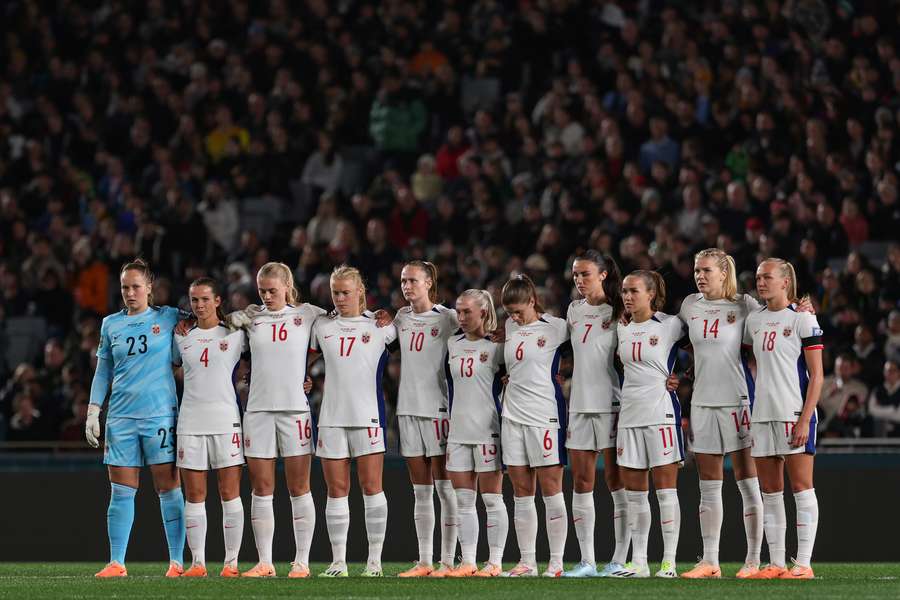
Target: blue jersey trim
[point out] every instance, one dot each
(561, 411)
(496, 391)
(379, 388)
(676, 408)
(751, 385)
(449, 378)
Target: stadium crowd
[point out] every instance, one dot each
(211, 137)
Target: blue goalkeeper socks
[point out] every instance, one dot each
(119, 517)
(171, 505)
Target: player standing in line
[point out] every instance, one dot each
(278, 420)
(423, 328)
(352, 416)
(474, 457)
(594, 406)
(788, 348)
(720, 406)
(534, 423)
(649, 438)
(209, 424)
(135, 356)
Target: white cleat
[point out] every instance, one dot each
(667, 570)
(632, 571)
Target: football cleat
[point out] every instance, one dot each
(769, 572)
(489, 570)
(230, 571)
(418, 570)
(582, 569)
(609, 569)
(554, 569)
(631, 571)
(463, 571)
(747, 571)
(335, 569)
(703, 570)
(441, 571)
(113, 569)
(196, 570)
(298, 571)
(667, 570)
(522, 570)
(175, 569)
(798, 572)
(372, 570)
(260, 570)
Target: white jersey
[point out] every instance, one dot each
(423, 352)
(278, 345)
(716, 329)
(647, 351)
(778, 339)
(355, 356)
(531, 353)
(475, 388)
(595, 383)
(209, 404)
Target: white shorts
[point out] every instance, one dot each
(592, 431)
(423, 436)
(270, 434)
(773, 438)
(720, 429)
(649, 446)
(524, 445)
(474, 458)
(349, 442)
(214, 451)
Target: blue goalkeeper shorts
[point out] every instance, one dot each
(139, 442)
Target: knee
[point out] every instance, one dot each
(612, 479)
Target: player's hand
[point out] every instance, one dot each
(806, 305)
(498, 336)
(505, 379)
(184, 326)
(307, 385)
(92, 426)
(672, 382)
(242, 319)
(383, 318)
(800, 433)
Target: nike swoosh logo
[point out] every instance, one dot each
(487, 461)
(667, 453)
(669, 521)
(489, 526)
(548, 455)
(235, 454)
(329, 336)
(694, 318)
(742, 437)
(231, 526)
(555, 518)
(173, 520)
(576, 520)
(190, 526)
(749, 514)
(299, 518)
(375, 443)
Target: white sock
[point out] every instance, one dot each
(711, 513)
(233, 527)
(525, 517)
(337, 520)
(557, 525)
(753, 517)
(621, 526)
(448, 520)
(583, 518)
(669, 521)
(262, 518)
(376, 524)
(468, 524)
(775, 523)
(639, 518)
(304, 513)
(497, 526)
(807, 524)
(195, 528)
(423, 514)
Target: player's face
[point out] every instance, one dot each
(710, 279)
(135, 290)
(272, 292)
(521, 313)
(769, 282)
(345, 295)
(204, 302)
(469, 314)
(635, 295)
(414, 283)
(588, 278)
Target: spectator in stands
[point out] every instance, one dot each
(840, 389)
(884, 403)
(89, 278)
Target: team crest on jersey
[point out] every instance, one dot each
(365, 338)
(787, 332)
(654, 340)
(298, 321)
(484, 357)
(731, 317)
(605, 324)
(541, 342)
(156, 329)
(223, 346)
(435, 331)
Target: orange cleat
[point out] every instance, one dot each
(769, 572)
(230, 571)
(747, 571)
(113, 569)
(298, 571)
(703, 570)
(195, 571)
(489, 570)
(463, 571)
(798, 572)
(418, 570)
(175, 569)
(442, 571)
(260, 570)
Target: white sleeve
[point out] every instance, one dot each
(685, 305)
(810, 332)
(452, 319)
(748, 337)
(562, 329)
(751, 303)
(390, 333)
(314, 336)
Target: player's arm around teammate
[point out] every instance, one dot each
(209, 424)
(352, 416)
(649, 440)
(135, 356)
(594, 406)
(277, 421)
(474, 454)
(788, 348)
(534, 422)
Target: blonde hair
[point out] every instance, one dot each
(142, 267)
(726, 264)
(348, 272)
(520, 290)
(485, 302)
(786, 270)
(282, 272)
(654, 282)
(430, 273)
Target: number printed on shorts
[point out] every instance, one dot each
(304, 428)
(236, 440)
(373, 431)
(671, 441)
(489, 450)
(441, 428)
(167, 437)
(789, 430)
(741, 419)
(548, 440)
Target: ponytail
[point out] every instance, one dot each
(140, 265)
(520, 289)
(348, 272)
(485, 302)
(216, 290)
(655, 283)
(612, 285)
(726, 263)
(430, 274)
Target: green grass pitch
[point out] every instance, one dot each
(839, 581)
